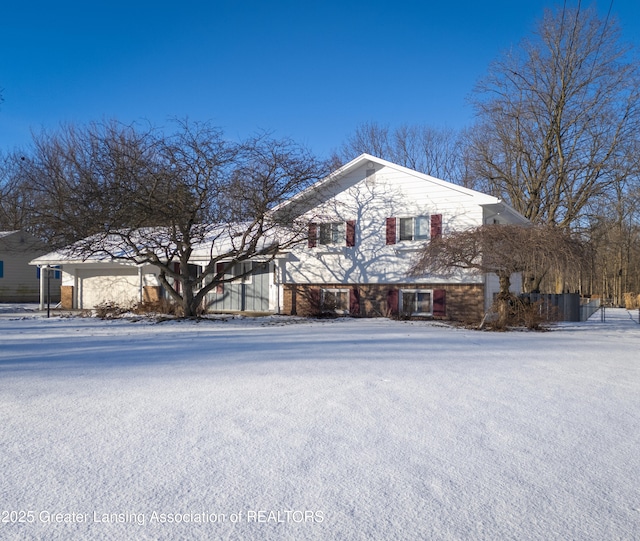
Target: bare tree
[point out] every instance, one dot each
(436, 152)
(503, 250)
(14, 194)
(557, 116)
(146, 197)
(614, 234)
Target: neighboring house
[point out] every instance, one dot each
(366, 223)
(20, 282)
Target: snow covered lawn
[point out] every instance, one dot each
(274, 428)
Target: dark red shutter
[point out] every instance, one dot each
(220, 270)
(439, 302)
(392, 302)
(313, 235)
(354, 301)
(391, 230)
(436, 226)
(351, 233)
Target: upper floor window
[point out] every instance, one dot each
(413, 228)
(416, 228)
(332, 233)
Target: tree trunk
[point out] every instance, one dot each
(503, 301)
(187, 298)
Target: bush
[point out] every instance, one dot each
(110, 310)
(162, 306)
(522, 313)
(631, 301)
(535, 315)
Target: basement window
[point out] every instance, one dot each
(335, 300)
(416, 302)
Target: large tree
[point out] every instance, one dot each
(145, 197)
(434, 151)
(558, 117)
(11, 216)
(504, 250)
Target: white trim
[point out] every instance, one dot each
(401, 293)
(334, 290)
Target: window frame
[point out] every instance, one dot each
(414, 311)
(57, 274)
(334, 291)
(420, 227)
(333, 232)
(242, 267)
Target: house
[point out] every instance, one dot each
(20, 282)
(366, 223)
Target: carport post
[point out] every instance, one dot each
(40, 268)
(48, 290)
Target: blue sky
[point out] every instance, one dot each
(309, 70)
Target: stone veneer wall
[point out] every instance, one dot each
(464, 302)
(151, 293)
(66, 297)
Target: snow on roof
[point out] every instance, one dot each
(216, 239)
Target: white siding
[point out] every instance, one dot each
(95, 284)
(393, 193)
(121, 286)
(492, 287)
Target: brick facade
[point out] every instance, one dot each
(464, 302)
(151, 294)
(66, 297)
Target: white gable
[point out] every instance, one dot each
(368, 191)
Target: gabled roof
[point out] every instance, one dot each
(22, 240)
(365, 158)
(482, 199)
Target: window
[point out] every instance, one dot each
(57, 274)
(244, 268)
(335, 300)
(1, 269)
(416, 302)
(415, 228)
(370, 177)
(332, 233)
